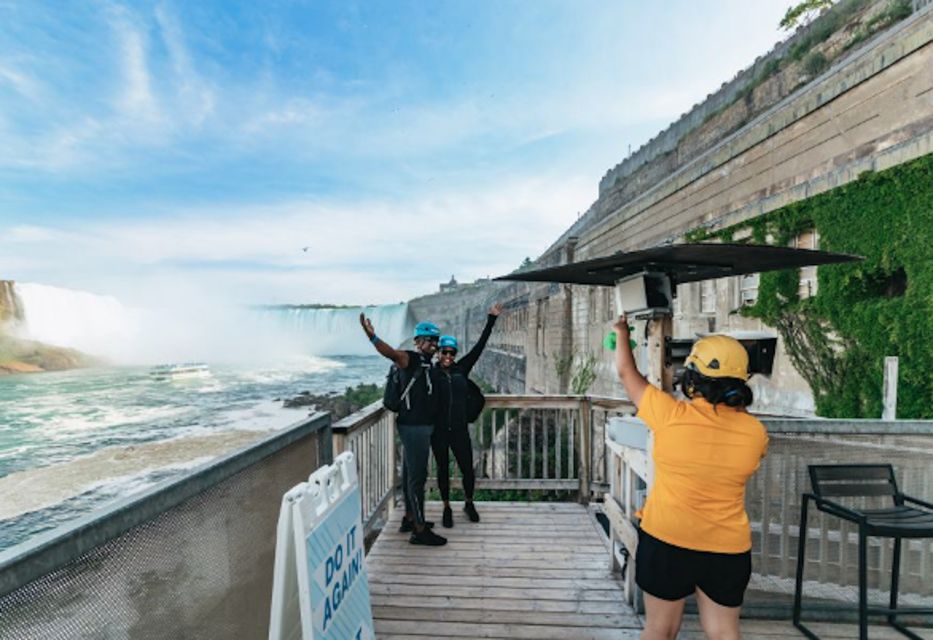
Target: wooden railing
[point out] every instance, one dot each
(370, 435)
(520, 442)
(537, 442)
(629, 473)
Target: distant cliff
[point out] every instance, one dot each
(18, 355)
(11, 311)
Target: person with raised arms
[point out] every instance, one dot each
(694, 536)
(450, 427)
(417, 410)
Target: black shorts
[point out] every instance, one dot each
(672, 573)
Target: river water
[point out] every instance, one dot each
(71, 442)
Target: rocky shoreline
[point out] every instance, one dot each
(339, 405)
(27, 356)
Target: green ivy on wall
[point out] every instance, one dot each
(863, 311)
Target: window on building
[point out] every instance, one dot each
(708, 296)
(808, 239)
(748, 289)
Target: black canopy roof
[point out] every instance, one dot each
(683, 263)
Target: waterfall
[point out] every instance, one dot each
(184, 330)
(11, 309)
(95, 324)
(336, 330)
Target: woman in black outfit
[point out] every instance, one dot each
(450, 427)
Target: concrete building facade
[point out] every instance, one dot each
(870, 110)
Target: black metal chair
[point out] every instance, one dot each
(898, 521)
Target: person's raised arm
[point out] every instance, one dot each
(634, 383)
(466, 362)
(400, 358)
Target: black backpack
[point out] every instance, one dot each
(475, 401)
(398, 386)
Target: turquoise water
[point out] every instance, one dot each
(73, 441)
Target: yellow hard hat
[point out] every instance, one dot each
(719, 356)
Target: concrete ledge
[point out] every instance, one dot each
(49, 551)
(826, 426)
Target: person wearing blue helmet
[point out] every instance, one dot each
(415, 423)
(450, 427)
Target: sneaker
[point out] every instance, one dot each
(471, 512)
(408, 525)
(428, 538)
(448, 518)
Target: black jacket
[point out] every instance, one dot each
(423, 396)
(450, 385)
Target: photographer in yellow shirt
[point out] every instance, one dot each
(694, 536)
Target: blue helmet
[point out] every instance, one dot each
(427, 330)
(448, 342)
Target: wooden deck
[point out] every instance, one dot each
(527, 570)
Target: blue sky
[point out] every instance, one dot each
(152, 147)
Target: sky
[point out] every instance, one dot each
(330, 152)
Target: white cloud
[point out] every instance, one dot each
(137, 102)
(28, 233)
(19, 81)
(358, 252)
(196, 96)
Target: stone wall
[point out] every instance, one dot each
(871, 110)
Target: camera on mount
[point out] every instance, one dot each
(760, 346)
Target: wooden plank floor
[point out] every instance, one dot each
(781, 629)
(526, 570)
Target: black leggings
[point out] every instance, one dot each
(442, 441)
(415, 451)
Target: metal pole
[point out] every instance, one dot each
(890, 388)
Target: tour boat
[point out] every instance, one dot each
(180, 371)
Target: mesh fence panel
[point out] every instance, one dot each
(202, 569)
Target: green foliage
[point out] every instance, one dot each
(896, 11)
(815, 63)
(363, 394)
(826, 25)
(526, 265)
(584, 374)
(803, 11)
(863, 311)
(562, 364)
